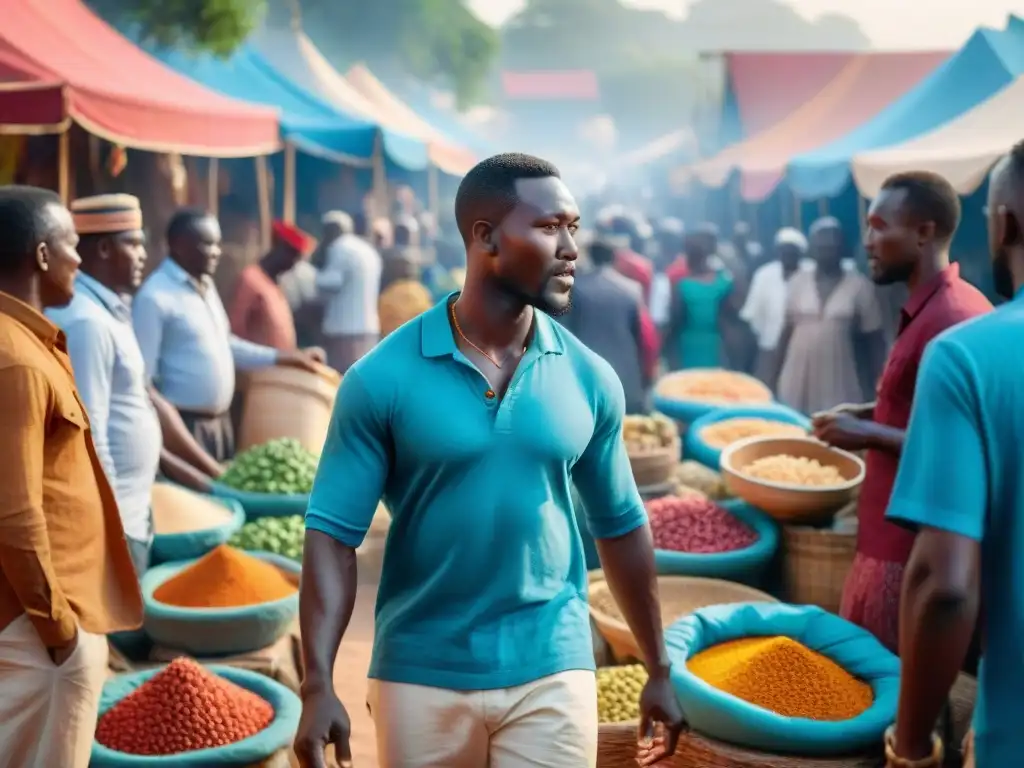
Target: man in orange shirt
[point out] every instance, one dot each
(260, 312)
(66, 576)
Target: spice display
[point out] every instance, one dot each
(714, 386)
(279, 535)
(697, 526)
(401, 302)
(726, 432)
(783, 676)
(182, 708)
(648, 433)
(280, 466)
(695, 475)
(794, 470)
(225, 578)
(618, 693)
(177, 510)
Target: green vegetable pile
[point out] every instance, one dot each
(281, 467)
(618, 693)
(279, 535)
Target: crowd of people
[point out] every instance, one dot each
(535, 337)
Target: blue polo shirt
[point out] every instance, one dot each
(962, 470)
(484, 580)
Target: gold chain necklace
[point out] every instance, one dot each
(458, 330)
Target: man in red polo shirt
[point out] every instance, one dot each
(910, 227)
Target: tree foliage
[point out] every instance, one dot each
(438, 41)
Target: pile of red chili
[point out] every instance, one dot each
(697, 526)
(182, 708)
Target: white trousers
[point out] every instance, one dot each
(549, 723)
(47, 713)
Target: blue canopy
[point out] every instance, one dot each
(311, 124)
(989, 61)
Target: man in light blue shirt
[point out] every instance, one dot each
(189, 351)
(960, 485)
(473, 421)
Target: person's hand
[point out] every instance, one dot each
(659, 706)
(842, 431)
(324, 721)
(843, 409)
(61, 653)
(298, 359)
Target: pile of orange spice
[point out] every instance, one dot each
(225, 578)
(784, 676)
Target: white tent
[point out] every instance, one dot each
(962, 150)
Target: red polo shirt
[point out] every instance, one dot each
(941, 303)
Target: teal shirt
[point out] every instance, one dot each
(484, 582)
(962, 471)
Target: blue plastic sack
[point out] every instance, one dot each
(695, 448)
(257, 505)
(217, 631)
(688, 411)
(746, 566)
(253, 750)
(169, 547)
(727, 718)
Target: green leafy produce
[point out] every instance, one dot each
(618, 693)
(279, 535)
(281, 466)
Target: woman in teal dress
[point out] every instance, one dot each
(698, 299)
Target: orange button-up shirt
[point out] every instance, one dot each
(63, 556)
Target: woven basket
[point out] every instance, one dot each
(616, 748)
(654, 467)
(816, 563)
(679, 596)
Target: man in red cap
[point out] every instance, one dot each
(260, 312)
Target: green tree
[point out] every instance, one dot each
(438, 41)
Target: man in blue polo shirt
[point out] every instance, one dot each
(472, 421)
(959, 484)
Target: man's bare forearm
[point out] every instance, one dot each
(628, 563)
(326, 600)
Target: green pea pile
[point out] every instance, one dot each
(618, 693)
(278, 535)
(281, 467)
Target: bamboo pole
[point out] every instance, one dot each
(213, 186)
(64, 165)
(289, 183)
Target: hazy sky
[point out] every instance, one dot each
(889, 23)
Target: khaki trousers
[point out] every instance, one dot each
(47, 713)
(549, 722)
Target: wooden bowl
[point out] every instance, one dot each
(679, 596)
(788, 502)
(654, 467)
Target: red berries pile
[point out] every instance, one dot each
(696, 525)
(183, 708)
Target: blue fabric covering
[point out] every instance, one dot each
(257, 505)
(251, 751)
(727, 718)
(192, 544)
(989, 61)
(311, 124)
(745, 566)
(698, 450)
(217, 631)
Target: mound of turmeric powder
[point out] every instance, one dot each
(782, 675)
(225, 578)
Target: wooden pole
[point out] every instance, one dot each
(213, 186)
(64, 165)
(263, 191)
(289, 183)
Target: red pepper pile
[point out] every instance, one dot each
(696, 525)
(183, 708)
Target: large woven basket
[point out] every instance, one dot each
(679, 596)
(616, 745)
(817, 561)
(654, 467)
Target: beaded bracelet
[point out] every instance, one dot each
(895, 761)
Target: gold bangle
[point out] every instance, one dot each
(895, 761)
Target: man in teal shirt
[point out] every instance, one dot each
(472, 422)
(960, 485)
